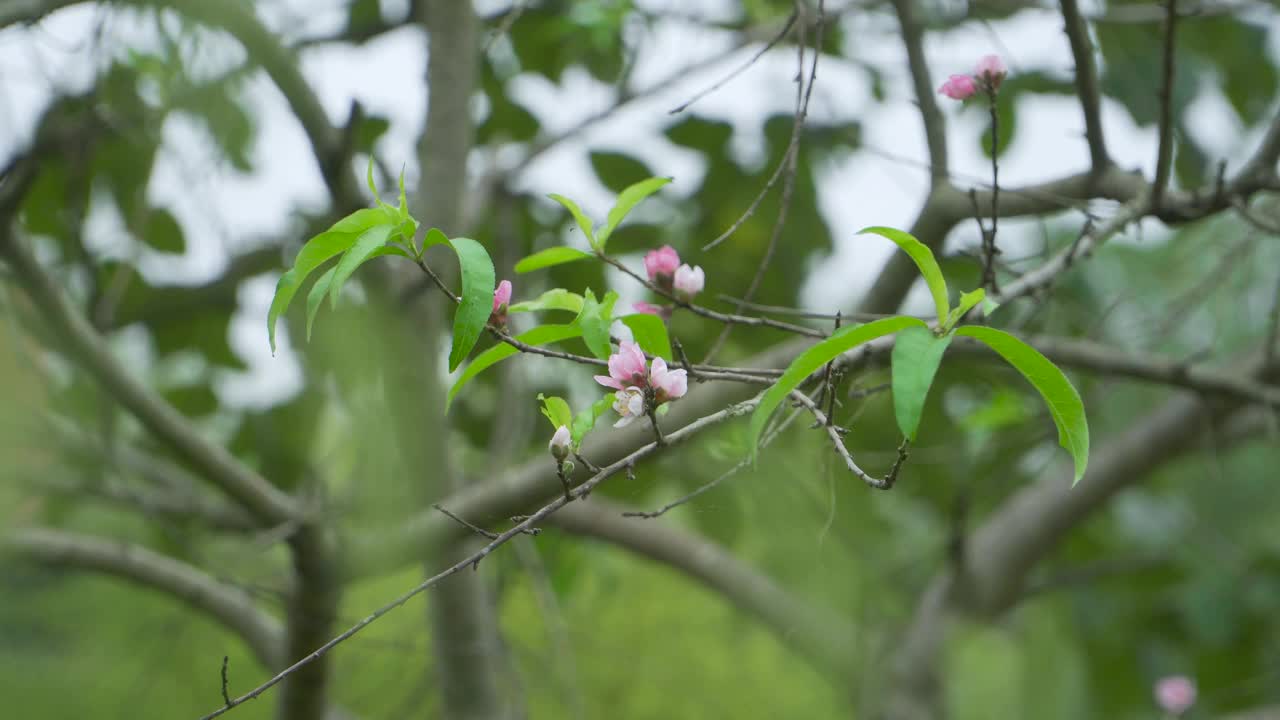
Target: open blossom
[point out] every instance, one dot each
(1175, 694)
(959, 87)
(626, 368)
(560, 442)
(661, 265)
(990, 71)
(629, 404)
(689, 281)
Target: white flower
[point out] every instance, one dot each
(560, 442)
(629, 403)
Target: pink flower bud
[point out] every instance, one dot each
(667, 384)
(958, 87)
(560, 442)
(1175, 694)
(650, 309)
(502, 296)
(990, 71)
(661, 264)
(689, 281)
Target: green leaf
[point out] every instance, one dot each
(363, 219)
(1064, 402)
(967, 301)
(163, 232)
(554, 299)
(584, 222)
(478, 280)
(369, 179)
(549, 257)
(316, 297)
(650, 333)
(317, 250)
(435, 236)
(815, 357)
(586, 420)
(369, 242)
(540, 335)
(924, 260)
(556, 410)
(594, 321)
(628, 199)
(917, 352)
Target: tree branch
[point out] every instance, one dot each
(230, 606)
(1086, 84)
(935, 129)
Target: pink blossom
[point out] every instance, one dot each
(650, 309)
(628, 403)
(689, 281)
(667, 384)
(990, 71)
(959, 87)
(626, 368)
(661, 264)
(502, 296)
(560, 442)
(1175, 694)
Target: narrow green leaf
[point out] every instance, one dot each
(924, 260)
(316, 297)
(967, 301)
(594, 321)
(556, 410)
(369, 242)
(815, 357)
(317, 250)
(554, 299)
(369, 179)
(586, 420)
(551, 256)
(584, 222)
(628, 199)
(917, 352)
(989, 306)
(363, 219)
(651, 334)
(1064, 402)
(540, 335)
(478, 280)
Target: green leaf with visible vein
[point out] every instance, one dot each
(917, 352)
(584, 222)
(628, 199)
(478, 281)
(369, 242)
(924, 260)
(1064, 402)
(317, 250)
(554, 299)
(551, 256)
(651, 334)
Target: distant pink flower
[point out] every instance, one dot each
(667, 384)
(650, 309)
(689, 281)
(560, 441)
(990, 71)
(628, 403)
(661, 264)
(959, 87)
(1175, 694)
(626, 368)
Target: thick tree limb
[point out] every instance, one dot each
(228, 605)
(935, 128)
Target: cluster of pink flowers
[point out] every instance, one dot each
(667, 272)
(1175, 694)
(639, 388)
(987, 77)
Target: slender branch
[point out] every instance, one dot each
(524, 525)
(786, 28)
(1087, 88)
(229, 606)
(1164, 154)
(837, 441)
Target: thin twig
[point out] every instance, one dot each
(226, 697)
(837, 441)
(477, 530)
(740, 69)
